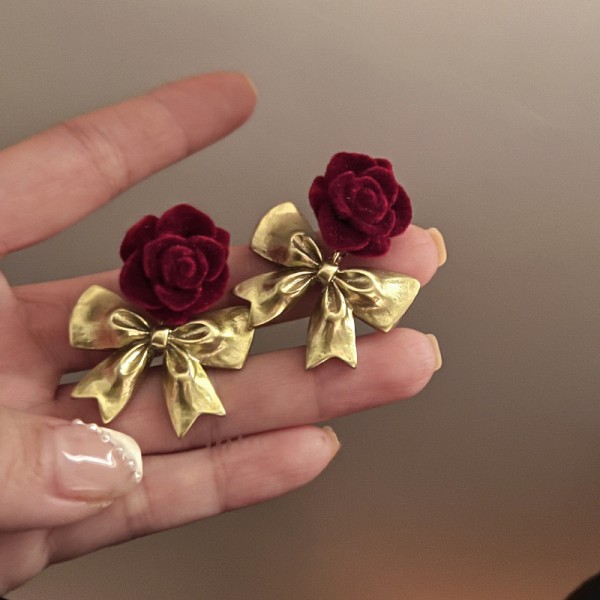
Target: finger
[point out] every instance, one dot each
(188, 486)
(274, 391)
(55, 178)
(55, 472)
(415, 253)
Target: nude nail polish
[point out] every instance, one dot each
(437, 352)
(333, 437)
(438, 239)
(93, 463)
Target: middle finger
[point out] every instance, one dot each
(274, 391)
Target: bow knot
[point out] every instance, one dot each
(379, 298)
(160, 338)
(326, 272)
(102, 320)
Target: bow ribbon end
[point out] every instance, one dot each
(113, 381)
(188, 390)
(331, 330)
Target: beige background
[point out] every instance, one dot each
(486, 486)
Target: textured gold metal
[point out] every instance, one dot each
(103, 320)
(379, 298)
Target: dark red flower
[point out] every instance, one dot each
(359, 204)
(176, 265)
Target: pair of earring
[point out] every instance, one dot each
(175, 268)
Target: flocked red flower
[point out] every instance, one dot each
(175, 266)
(359, 204)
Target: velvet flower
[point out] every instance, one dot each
(359, 204)
(175, 266)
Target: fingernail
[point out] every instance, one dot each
(438, 239)
(333, 438)
(94, 463)
(251, 84)
(436, 349)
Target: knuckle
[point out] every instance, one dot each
(101, 152)
(220, 478)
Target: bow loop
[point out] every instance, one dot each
(304, 251)
(379, 298)
(284, 236)
(221, 339)
(101, 320)
(200, 335)
(129, 324)
(270, 294)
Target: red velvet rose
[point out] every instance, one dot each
(359, 204)
(176, 265)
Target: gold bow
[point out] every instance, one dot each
(379, 298)
(102, 320)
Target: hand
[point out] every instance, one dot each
(53, 508)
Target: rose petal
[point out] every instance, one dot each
(137, 236)
(134, 284)
(386, 180)
(403, 211)
(347, 161)
(185, 220)
(381, 228)
(317, 193)
(368, 204)
(341, 191)
(214, 254)
(214, 290)
(223, 238)
(337, 234)
(153, 250)
(183, 268)
(211, 292)
(184, 274)
(177, 300)
(376, 247)
(385, 163)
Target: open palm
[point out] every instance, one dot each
(51, 181)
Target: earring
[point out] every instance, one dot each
(175, 267)
(359, 206)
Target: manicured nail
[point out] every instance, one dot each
(438, 239)
(436, 349)
(251, 84)
(333, 437)
(94, 463)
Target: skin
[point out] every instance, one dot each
(62, 175)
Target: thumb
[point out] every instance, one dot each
(54, 472)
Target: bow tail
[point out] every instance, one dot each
(113, 381)
(188, 390)
(331, 332)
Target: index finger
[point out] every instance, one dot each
(57, 177)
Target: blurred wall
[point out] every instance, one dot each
(486, 486)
